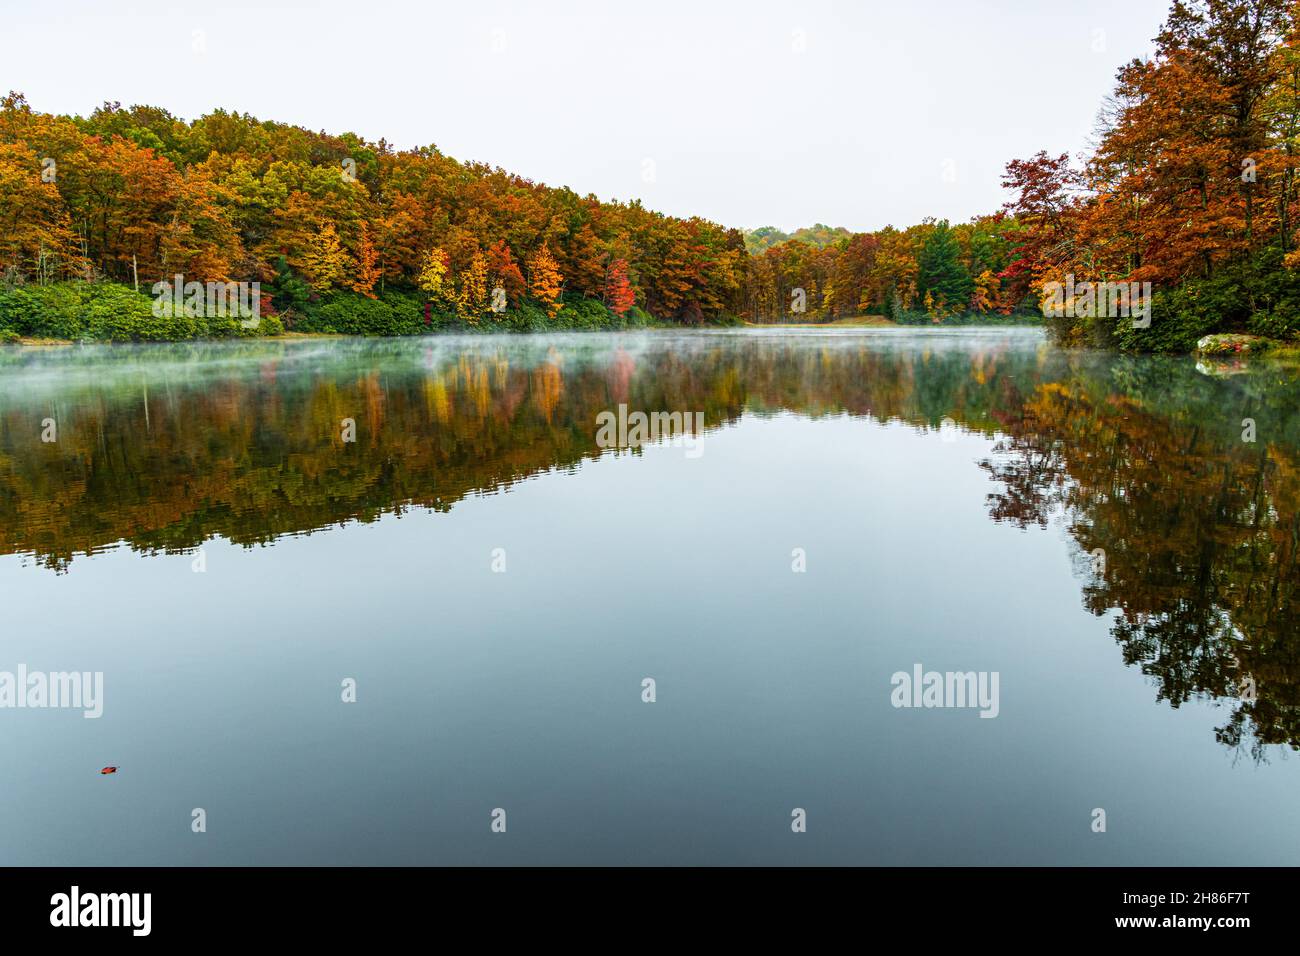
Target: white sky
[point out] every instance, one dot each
(752, 112)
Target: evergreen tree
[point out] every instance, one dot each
(289, 290)
(941, 275)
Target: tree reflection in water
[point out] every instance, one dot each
(1141, 460)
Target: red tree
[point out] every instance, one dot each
(618, 288)
(1046, 188)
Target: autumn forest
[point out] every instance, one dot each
(1191, 186)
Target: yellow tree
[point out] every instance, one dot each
(985, 292)
(432, 279)
(368, 271)
(36, 236)
(325, 263)
(545, 280)
(472, 296)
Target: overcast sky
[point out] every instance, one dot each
(749, 113)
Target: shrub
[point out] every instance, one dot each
(118, 314)
(525, 317)
(1260, 296)
(112, 313)
(348, 313)
(53, 311)
(267, 325)
(1179, 318)
(578, 312)
(1278, 324)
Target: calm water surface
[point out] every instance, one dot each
(1092, 528)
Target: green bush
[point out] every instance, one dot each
(525, 317)
(52, 311)
(109, 312)
(578, 312)
(116, 313)
(1281, 323)
(638, 318)
(1178, 318)
(349, 313)
(408, 312)
(1260, 296)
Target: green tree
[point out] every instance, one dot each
(941, 276)
(289, 290)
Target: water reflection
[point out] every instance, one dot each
(1184, 533)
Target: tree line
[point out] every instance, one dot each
(136, 194)
(130, 193)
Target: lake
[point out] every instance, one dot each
(374, 601)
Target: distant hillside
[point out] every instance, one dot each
(764, 237)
